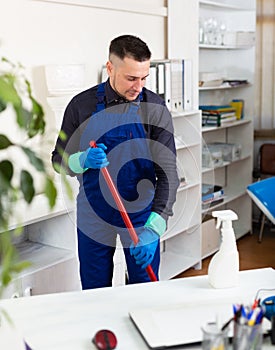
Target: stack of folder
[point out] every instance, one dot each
(171, 79)
(217, 115)
(211, 195)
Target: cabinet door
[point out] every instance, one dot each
(61, 277)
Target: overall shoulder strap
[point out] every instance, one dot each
(134, 106)
(100, 94)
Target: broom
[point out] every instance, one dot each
(123, 212)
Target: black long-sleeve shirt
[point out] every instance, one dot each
(158, 127)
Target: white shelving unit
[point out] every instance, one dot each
(182, 241)
(181, 248)
(48, 243)
(234, 62)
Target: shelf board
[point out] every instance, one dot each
(184, 113)
(181, 145)
(225, 47)
(223, 87)
(225, 164)
(132, 7)
(226, 125)
(187, 186)
(218, 5)
(230, 196)
(41, 256)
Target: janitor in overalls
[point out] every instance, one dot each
(134, 134)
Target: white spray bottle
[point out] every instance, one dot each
(223, 270)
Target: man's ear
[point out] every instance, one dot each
(109, 67)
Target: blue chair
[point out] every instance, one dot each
(263, 194)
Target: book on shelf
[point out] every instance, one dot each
(211, 192)
(209, 204)
(216, 115)
(222, 114)
(211, 195)
(217, 120)
(236, 82)
(220, 108)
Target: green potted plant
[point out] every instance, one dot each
(16, 99)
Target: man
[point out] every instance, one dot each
(134, 134)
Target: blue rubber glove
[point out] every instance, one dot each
(94, 158)
(145, 250)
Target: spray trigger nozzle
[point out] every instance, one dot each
(224, 216)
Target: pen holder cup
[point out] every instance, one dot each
(213, 337)
(247, 337)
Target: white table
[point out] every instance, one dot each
(68, 321)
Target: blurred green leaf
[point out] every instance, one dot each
(23, 117)
(62, 135)
(4, 142)
(26, 185)
(3, 105)
(8, 92)
(20, 266)
(6, 170)
(50, 192)
(68, 187)
(34, 159)
(6, 174)
(37, 123)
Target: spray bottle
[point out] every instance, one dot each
(223, 270)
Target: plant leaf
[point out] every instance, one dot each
(26, 185)
(20, 266)
(3, 105)
(50, 192)
(62, 135)
(4, 142)
(34, 159)
(6, 170)
(37, 123)
(6, 174)
(8, 92)
(23, 117)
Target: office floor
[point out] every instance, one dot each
(252, 254)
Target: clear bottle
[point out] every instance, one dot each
(223, 269)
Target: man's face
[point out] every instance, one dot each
(127, 76)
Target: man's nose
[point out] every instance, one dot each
(138, 85)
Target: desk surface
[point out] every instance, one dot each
(68, 321)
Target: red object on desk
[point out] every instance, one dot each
(105, 340)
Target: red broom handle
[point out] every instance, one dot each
(123, 212)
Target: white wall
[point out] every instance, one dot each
(41, 32)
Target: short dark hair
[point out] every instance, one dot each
(130, 46)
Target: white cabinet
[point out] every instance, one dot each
(48, 242)
(233, 60)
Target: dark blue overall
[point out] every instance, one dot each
(132, 170)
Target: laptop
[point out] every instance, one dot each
(179, 324)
